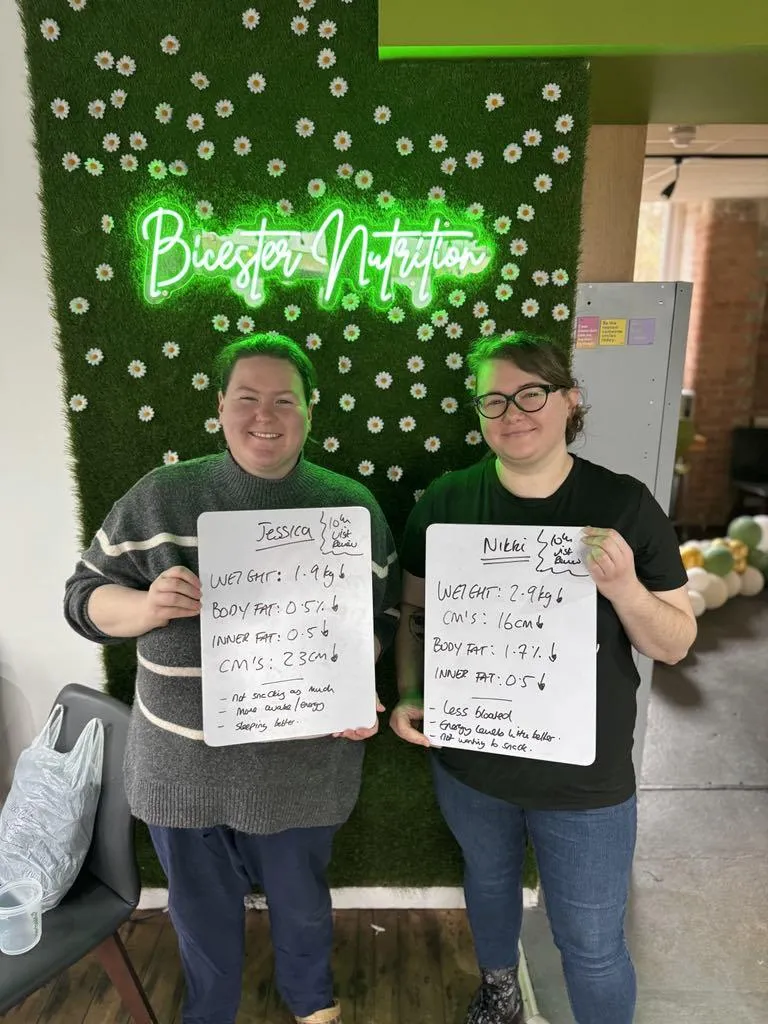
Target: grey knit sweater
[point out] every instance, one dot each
(172, 777)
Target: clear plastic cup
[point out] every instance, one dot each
(21, 916)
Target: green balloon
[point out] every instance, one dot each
(746, 530)
(759, 559)
(718, 559)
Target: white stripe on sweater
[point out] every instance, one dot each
(143, 545)
(93, 568)
(169, 670)
(382, 571)
(161, 723)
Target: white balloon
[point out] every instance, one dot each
(698, 603)
(762, 522)
(752, 581)
(716, 593)
(698, 579)
(733, 583)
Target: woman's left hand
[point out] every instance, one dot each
(362, 734)
(610, 561)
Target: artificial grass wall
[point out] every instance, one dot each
(227, 114)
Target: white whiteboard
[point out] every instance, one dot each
(510, 642)
(286, 623)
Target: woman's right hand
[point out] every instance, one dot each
(407, 712)
(174, 594)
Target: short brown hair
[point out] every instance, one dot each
(277, 346)
(535, 354)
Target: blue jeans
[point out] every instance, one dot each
(584, 860)
(209, 873)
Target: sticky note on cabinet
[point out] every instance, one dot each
(613, 332)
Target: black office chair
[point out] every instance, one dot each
(107, 889)
(749, 470)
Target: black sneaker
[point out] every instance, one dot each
(498, 1000)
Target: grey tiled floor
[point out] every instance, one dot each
(698, 921)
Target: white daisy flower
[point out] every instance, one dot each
(299, 25)
(518, 247)
(512, 153)
(195, 122)
(542, 183)
(351, 301)
(251, 18)
(480, 309)
(418, 390)
(493, 101)
(292, 312)
(345, 171)
(365, 468)
(117, 98)
(342, 140)
(170, 458)
(94, 356)
(50, 30)
(157, 169)
(396, 315)
(77, 5)
(351, 332)
(454, 361)
(242, 145)
(111, 142)
(418, 494)
(304, 127)
(326, 29)
(224, 108)
(439, 318)
(375, 424)
(525, 212)
(204, 209)
(415, 364)
(510, 271)
(257, 83)
(137, 369)
(284, 207)
(470, 381)
(561, 312)
(564, 124)
(60, 108)
(70, 161)
(326, 59)
(436, 194)
(104, 60)
(220, 322)
(488, 327)
(178, 168)
(474, 159)
(475, 211)
(529, 308)
(128, 162)
(561, 154)
(385, 199)
(449, 165)
(96, 109)
(407, 424)
(560, 277)
(364, 179)
(449, 405)
(424, 332)
(502, 225)
(404, 145)
(381, 115)
(454, 331)
(383, 380)
(199, 80)
(245, 325)
(94, 166)
(104, 272)
(338, 87)
(395, 473)
(474, 437)
(438, 143)
(540, 278)
(551, 92)
(347, 402)
(509, 333)
(532, 137)
(163, 113)
(331, 444)
(503, 292)
(78, 403)
(200, 381)
(212, 425)
(457, 297)
(137, 141)
(125, 66)
(275, 167)
(205, 149)
(314, 342)
(171, 349)
(432, 444)
(170, 45)
(146, 413)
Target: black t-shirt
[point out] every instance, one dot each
(590, 496)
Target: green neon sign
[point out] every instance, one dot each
(340, 247)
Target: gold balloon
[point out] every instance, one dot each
(692, 558)
(739, 549)
(740, 565)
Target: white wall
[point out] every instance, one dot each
(39, 653)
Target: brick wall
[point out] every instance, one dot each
(727, 354)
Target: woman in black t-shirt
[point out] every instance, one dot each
(581, 819)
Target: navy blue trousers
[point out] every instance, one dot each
(209, 873)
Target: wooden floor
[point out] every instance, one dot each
(391, 967)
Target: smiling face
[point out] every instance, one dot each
(524, 438)
(265, 415)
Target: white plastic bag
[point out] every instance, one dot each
(46, 823)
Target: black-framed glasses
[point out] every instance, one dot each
(530, 398)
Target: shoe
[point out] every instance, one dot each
(330, 1016)
(498, 1000)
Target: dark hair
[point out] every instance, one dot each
(536, 354)
(276, 346)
